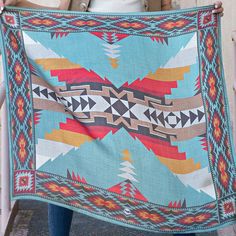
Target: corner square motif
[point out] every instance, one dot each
(207, 19)
(11, 19)
(228, 208)
(24, 182)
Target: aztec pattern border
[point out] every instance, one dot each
(128, 211)
(164, 25)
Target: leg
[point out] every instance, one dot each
(59, 220)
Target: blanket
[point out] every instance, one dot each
(121, 116)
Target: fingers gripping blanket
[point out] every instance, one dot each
(123, 117)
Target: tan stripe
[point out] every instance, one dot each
(41, 82)
(189, 133)
(79, 89)
(180, 104)
(68, 137)
(56, 64)
(180, 166)
(179, 134)
(44, 104)
(177, 104)
(169, 74)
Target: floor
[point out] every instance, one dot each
(32, 221)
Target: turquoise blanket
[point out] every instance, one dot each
(123, 117)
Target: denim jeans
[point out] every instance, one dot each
(59, 221)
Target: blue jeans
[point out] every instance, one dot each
(59, 221)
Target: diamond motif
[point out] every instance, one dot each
(228, 208)
(24, 182)
(120, 107)
(11, 19)
(212, 83)
(206, 19)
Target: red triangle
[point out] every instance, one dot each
(109, 36)
(178, 204)
(129, 185)
(75, 177)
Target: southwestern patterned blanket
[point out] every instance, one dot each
(123, 117)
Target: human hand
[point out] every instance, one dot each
(64, 4)
(8, 3)
(218, 8)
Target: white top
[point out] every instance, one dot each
(117, 6)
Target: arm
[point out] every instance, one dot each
(64, 5)
(166, 5)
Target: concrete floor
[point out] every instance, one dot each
(32, 221)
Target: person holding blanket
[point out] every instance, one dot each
(60, 218)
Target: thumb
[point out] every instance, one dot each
(64, 4)
(9, 2)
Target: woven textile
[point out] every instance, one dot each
(123, 117)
